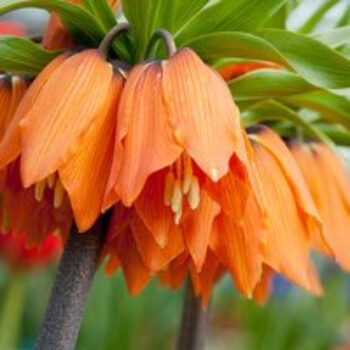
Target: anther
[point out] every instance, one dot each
(51, 181)
(169, 188)
(214, 174)
(177, 217)
(176, 200)
(58, 194)
(194, 195)
(39, 190)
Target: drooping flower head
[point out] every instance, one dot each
(329, 185)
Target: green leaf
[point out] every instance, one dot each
(313, 60)
(316, 17)
(339, 135)
(216, 46)
(102, 10)
(83, 25)
(333, 108)
(265, 83)
(22, 56)
(334, 38)
(272, 110)
(146, 17)
(228, 15)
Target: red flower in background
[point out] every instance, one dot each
(11, 28)
(15, 251)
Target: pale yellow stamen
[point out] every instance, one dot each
(51, 180)
(58, 194)
(176, 200)
(214, 174)
(39, 190)
(194, 195)
(177, 217)
(169, 188)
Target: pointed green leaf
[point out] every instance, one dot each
(146, 17)
(272, 110)
(79, 21)
(313, 60)
(102, 11)
(215, 46)
(334, 38)
(22, 56)
(339, 135)
(228, 15)
(331, 107)
(265, 83)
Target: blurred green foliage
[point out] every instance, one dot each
(292, 320)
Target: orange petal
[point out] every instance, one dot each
(235, 70)
(10, 145)
(154, 257)
(28, 216)
(208, 276)
(5, 102)
(176, 272)
(112, 265)
(12, 90)
(136, 274)
(55, 35)
(202, 112)
(144, 142)
(283, 156)
(310, 171)
(340, 173)
(157, 217)
(85, 175)
(321, 175)
(198, 227)
(65, 108)
(232, 191)
(288, 242)
(262, 291)
(237, 245)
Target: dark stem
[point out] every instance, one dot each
(111, 36)
(194, 322)
(167, 39)
(75, 275)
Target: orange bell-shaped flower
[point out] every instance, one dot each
(329, 185)
(63, 132)
(176, 115)
(291, 218)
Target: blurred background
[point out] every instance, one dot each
(291, 320)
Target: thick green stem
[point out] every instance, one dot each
(194, 322)
(11, 312)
